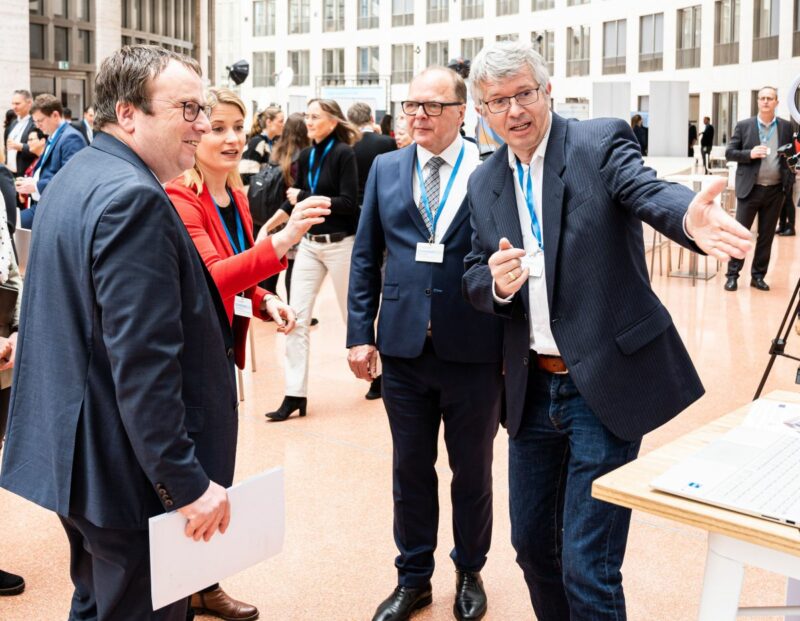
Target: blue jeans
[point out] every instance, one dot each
(569, 546)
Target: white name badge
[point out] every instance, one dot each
(242, 306)
(430, 253)
(534, 264)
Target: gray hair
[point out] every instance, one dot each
(506, 59)
(359, 114)
(126, 76)
(24, 93)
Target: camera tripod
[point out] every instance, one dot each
(778, 347)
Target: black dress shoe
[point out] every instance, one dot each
(730, 284)
(786, 233)
(470, 597)
(374, 391)
(759, 284)
(402, 602)
(11, 584)
(289, 405)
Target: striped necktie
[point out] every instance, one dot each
(431, 190)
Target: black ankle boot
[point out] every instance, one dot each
(289, 405)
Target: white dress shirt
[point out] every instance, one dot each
(541, 336)
(469, 163)
(16, 136)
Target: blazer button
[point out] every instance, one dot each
(524, 362)
(168, 503)
(427, 291)
(229, 352)
(163, 493)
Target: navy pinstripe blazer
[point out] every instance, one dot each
(622, 349)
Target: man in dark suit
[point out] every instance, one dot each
(63, 142)
(706, 141)
(592, 360)
(369, 146)
(19, 156)
(441, 358)
(763, 180)
(85, 125)
(140, 417)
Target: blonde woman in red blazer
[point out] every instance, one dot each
(213, 206)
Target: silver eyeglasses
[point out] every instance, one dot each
(527, 97)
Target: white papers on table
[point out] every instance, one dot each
(180, 566)
(775, 415)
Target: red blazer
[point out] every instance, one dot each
(232, 273)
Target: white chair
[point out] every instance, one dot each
(22, 241)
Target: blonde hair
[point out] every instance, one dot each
(193, 177)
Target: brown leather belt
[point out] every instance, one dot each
(551, 364)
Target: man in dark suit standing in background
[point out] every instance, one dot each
(124, 399)
(706, 141)
(592, 360)
(370, 146)
(441, 358)
(763, 179)
(63, 141)
(18, 155)
(86, 124)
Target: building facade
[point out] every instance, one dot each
(56, 46)
(724, 49)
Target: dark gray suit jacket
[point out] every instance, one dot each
(745, 137)
(124, 398)
(621, 347)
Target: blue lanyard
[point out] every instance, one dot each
(529, 201)
(313, 181)
(50, 143)
(239, 228)
(424, 195)
(772, 127)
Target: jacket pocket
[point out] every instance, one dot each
(579, 200)
(644, 330)
(194, 420)
(391, 292)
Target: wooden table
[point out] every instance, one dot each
(734, 539)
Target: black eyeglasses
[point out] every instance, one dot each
(191, 109)
(523, 98)
(431, 108)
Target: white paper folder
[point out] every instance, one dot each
(180, 566)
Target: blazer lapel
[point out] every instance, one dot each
(553, 199)
(504, 208)
(461, 215)
(406, 182)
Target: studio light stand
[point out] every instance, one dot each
(778, 347)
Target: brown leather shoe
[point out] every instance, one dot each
(219, 604)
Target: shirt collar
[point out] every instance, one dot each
(540, 150)
(774, 121)
(449, 155)
(366, 129)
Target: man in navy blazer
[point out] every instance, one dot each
(441, 358)
(63, 141)
(592, 359)
(124, 399)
